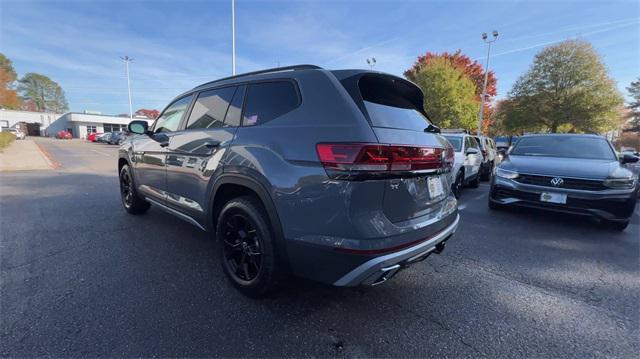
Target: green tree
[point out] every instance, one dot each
(449, 95)
(8, 95)
(634, 106)
(44, 92)
(567, 88)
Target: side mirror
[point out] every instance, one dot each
(472, 151)
(628, 158)
(138, 127)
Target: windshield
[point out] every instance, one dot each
(455, 141)
(564, 146)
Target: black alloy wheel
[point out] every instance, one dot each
(131, 201)
(242, 248)
(126, 189)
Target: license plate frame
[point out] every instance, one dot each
(553, 197)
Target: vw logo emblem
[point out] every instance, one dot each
(557, 182)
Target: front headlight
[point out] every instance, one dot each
(620, 183)
(501, 172)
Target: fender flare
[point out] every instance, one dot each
(263, 194)
(252, 184)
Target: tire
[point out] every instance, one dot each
(247, 247)
(457, 185)
(131, 200)
(476, 182)
(616, 225)
(486, 175)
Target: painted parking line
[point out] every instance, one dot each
(462, 206)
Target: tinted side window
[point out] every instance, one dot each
(269, 100)
(170, 118)
(210, 108)
(235, 110)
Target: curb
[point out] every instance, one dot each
(51, 161)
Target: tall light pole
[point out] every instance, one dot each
(126, 60)
(371, 62)
(233, 37)
(486, 75)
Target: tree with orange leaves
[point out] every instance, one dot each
(8, 95)
(472, 69)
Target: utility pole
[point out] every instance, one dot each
(126, 60)
(486, 75)
(233, 37)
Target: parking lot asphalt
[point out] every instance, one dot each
(81, 278)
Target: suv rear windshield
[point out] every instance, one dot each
(455, 141)
(565, 146)
(392, 103)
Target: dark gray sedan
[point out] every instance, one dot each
(578, 174)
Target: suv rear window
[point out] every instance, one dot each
(269, 100)
(392, 103)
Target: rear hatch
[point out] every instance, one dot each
(418, 181)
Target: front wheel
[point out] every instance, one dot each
(486, 174)
(456, 187)
(131, 201)
(247, 247)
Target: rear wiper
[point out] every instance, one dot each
(432, 129)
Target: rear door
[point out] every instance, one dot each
(150, 151)
(395, 112)
(197, 153)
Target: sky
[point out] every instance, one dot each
(177, 45)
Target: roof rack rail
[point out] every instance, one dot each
(266, 71)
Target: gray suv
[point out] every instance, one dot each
(336, 176)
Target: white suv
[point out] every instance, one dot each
(468, 160)
(490, 157)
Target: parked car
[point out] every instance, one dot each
(571, 173)
(93, 137)
(64, 135)
(490, 156)
(336, 176)
(468, 159)
(104, 138)
(16, 131)
(117, 138)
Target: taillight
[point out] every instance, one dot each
(382, 159)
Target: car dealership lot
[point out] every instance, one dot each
(80, 277)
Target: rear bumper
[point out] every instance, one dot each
(380, 269)
(372, 263)
(612, 205)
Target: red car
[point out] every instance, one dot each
(92, 136)
(64, 135)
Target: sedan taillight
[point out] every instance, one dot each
(382, 159)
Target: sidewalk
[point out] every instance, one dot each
(24, 155)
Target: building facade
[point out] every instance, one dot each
(79, 124)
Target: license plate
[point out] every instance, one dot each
(435, 187)
(560, 198)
